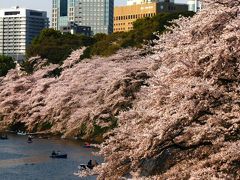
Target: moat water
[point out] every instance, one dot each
(22, 161)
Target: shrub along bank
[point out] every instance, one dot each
(142, 33)
(6, 63)
(56, 47)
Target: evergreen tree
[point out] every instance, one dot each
(6, 63)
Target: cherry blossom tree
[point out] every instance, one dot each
(177, 108)
(82, 102)
(186, 124)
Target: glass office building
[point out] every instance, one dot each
(97, 14)
(63, 11)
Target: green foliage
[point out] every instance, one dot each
(83, 129)
(99, 131)
(42, 126)
(27, 67)
(56, 47)
(87, 53)
(17, 126)
(143, 32)
(1, 117)
(54, 73)
(46, 126)
(6, 63)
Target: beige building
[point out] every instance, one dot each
(124, 16)
(133, 2)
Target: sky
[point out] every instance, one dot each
(46, 5)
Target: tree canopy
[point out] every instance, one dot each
(6, 63)
(56, 47)
(143, 32)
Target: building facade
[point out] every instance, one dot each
(73, 28)
(63, 11)
(134, 2)
(124, 16)
(194, 5)
(97, 14)
(18, 27)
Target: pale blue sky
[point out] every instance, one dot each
(47, 4)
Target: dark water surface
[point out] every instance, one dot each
(22, 161)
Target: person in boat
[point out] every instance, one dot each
(3, 136)
(29, 138)
(89, 164)
(54, 153)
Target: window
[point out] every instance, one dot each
(12, 13)
(63, 7)
(34, 13)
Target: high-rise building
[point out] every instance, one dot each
(194, 5)
(124, 16)
(18, 27)
(63, 11)
(97, 14)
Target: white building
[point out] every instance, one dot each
(18, 27)
(194, 5)
(133, 2)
